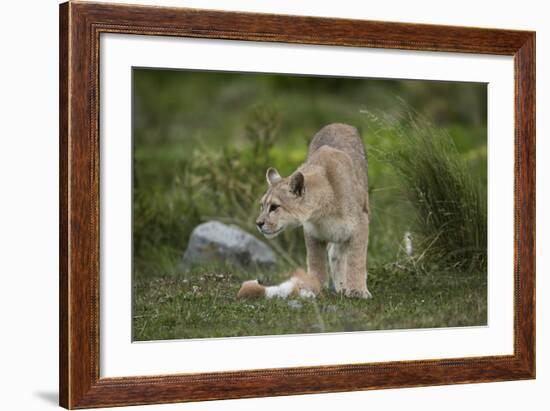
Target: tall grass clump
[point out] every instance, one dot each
(450, 203)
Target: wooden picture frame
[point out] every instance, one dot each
(80, 27)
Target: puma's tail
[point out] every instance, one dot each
(300, 284)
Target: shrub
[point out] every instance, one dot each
(224, 184)
(449, 203)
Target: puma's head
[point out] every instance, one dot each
(282, 206)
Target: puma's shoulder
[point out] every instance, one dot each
(339, 136)
(337, 152)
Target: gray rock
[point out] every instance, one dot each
(217, 242)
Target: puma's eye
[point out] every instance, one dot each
(273, 207)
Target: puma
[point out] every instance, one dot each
(328, 197)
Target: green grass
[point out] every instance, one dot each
(203, 304)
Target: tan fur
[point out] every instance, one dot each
(305, 281)
(328, 197)
(251, 289)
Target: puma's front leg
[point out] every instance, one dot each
(316, 259)
(356, 270)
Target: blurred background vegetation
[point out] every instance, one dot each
(202, 144)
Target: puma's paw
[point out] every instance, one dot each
(351, 293)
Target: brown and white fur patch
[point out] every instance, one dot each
(300, 284)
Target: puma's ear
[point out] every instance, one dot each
(272, 176)
(297, 184)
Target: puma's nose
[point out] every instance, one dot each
(260, 224)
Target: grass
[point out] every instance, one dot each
(202, 143)
(203, 304)
(449, 201)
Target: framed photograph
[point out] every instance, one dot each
(259, 205)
